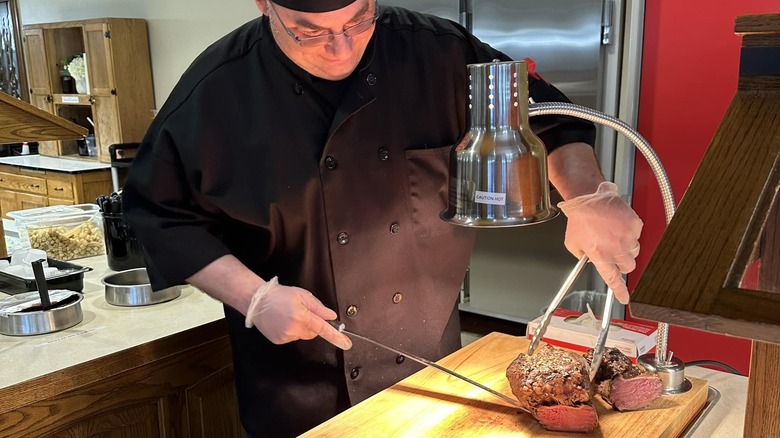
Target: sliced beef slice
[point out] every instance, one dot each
(623, 385)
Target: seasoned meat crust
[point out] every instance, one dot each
(553, 385)
(614, 364)
(551, 376)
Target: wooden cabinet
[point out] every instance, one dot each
(22, 188)
(120, 98)
(177, 386)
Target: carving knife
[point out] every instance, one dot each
(342, 328)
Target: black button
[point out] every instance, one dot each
(343, 238)
(352, 310)
(354, 373)
(371, 79)
(330, 162)
(298, 89)
(399, 360)
(384, 154)
(397, 297)
(395, 228)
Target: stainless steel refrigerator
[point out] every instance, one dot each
(515, 272)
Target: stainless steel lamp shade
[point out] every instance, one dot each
(498, 174)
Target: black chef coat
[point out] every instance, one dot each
(251, 156)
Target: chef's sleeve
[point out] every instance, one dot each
(177, 229)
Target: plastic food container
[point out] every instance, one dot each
(65, 232)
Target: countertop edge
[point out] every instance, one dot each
(61, 381)
(96, 166)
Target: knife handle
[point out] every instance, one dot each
(338, 325)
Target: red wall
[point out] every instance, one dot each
(690, 64)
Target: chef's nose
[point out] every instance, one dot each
(341, 46)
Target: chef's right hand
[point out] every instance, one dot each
(284, 314)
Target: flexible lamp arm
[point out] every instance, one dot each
(581, 112)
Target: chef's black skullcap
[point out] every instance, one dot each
(314, 5)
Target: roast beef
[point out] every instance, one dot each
(623, 385)
(553, 385)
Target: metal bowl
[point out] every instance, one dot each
(38, 322)
(133, 288)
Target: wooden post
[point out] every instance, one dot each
(762, 415)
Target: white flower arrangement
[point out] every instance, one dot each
(77, 68)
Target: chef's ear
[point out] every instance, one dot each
(262, 5)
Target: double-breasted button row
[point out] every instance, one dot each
(397, 297)
(331, 162)
(354, 373)
(352, 310)
(371, 79)
(298, 89)
(384, 154)
(343, 237)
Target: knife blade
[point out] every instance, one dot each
(341, 327)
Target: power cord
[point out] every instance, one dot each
(722, 365)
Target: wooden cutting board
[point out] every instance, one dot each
(430, 403)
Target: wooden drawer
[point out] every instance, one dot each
(23, 183)
(60, 189)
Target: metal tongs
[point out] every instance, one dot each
(598, 350)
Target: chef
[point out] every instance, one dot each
(296, 173)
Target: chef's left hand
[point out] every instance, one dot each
(603, 226)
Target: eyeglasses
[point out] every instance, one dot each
(321, 40)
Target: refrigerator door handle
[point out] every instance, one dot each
(606, 22)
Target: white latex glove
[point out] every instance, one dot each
(606, 229)
(284, 314)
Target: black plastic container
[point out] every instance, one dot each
(71, 280)
(122, 248)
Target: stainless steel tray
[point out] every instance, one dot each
(713, 395)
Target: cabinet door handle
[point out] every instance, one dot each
(35, 186)
(49, 99)
(59, 189)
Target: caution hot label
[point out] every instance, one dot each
(490, 198)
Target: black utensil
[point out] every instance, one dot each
(40, 280)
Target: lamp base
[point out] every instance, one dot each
(671, 372)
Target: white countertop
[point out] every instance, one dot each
(105, 329)
(44, 162)
(726, 419)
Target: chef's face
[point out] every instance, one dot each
(335, 59)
